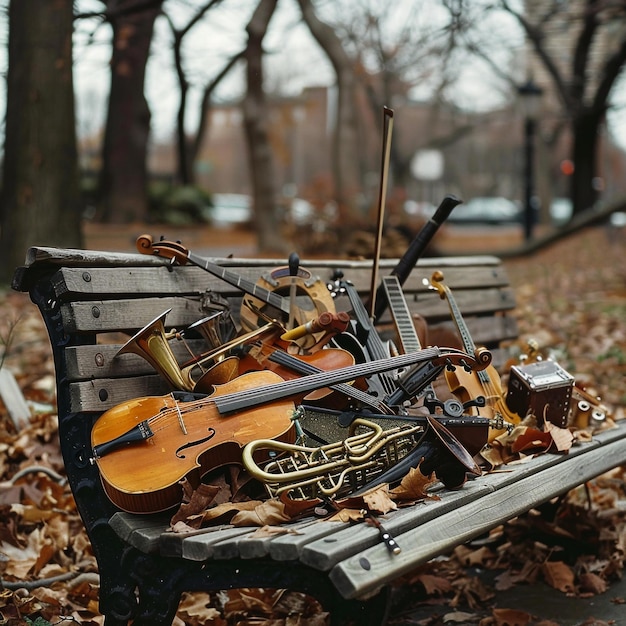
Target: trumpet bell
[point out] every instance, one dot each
(214, 329)
(222, 372)
(151, 343)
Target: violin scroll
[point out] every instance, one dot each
(173, 250)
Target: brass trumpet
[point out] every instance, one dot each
(152, 343)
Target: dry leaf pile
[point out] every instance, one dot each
(571, 301)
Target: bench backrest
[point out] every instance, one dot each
(92, 302)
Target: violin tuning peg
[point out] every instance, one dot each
(162, 238)
(466, 365)
(449, 365)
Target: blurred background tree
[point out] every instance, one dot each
(313, 80)
(40, 198)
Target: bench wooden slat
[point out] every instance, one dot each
(374, 566)
(99, 361)
(221, 545)
(103, 394)
(320, 556)
(164, 279)
(128, 315)
(46, 256)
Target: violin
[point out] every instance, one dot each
(469, 385)
(144, 447)
(273, 354)
(276, 357)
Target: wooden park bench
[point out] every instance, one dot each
(92, 302)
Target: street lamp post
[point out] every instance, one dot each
(530, 99)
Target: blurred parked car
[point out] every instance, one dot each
(487, 210)
(230, 209)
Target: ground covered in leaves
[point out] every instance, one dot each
(571, 301)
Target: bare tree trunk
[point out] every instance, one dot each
(346, 140)
(188, 145)
(256, 121)
(584, 94)
(40, 193)
(584, 193)
(205, 106)
(124, 177)
(184, 148)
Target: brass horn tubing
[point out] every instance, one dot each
(207, 327)
(380, 439)
(363, 473)
(151, 343)
(320, 462)
(317, 483)
(236, 341)
(313, 471)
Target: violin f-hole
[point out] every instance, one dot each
(191, 444)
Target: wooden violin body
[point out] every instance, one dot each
(176, 439)
(277, 358)
(469, 385)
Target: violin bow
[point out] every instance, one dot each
(382, 194)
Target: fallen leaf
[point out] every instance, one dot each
(347, 515)
(433, 585)
(378, 500)
(511, 617)
(561, 437)
(265, 513)
(559, 575)
(270, 531)
(532, 439)
(413, 486)
(590, 582)
(194, 501)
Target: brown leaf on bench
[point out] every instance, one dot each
(532, 440)
(194, 501)
(379, 501)
(376, 499)
(347, 515)
(265, 513)
(271, 531)
(413, 487)
(562, 437)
